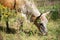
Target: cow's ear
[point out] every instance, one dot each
(46, 13)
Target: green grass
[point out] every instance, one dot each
(53, 33)
(30, 31)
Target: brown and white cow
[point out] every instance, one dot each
(26, 6)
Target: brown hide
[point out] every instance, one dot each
(10, 3)
(7, 3)
(19, 4)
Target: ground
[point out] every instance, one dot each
(53, 33)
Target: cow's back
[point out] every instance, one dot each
(7, 3)
(11, 3)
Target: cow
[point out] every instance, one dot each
(28, 7)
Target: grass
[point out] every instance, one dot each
(30, 31)
(53, 33)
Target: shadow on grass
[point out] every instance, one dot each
(9, 31)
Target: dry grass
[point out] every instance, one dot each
(53, 32)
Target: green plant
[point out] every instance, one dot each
(6, 14)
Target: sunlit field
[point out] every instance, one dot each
(29, 31)
(53, 33)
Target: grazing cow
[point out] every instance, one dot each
(27, 7)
